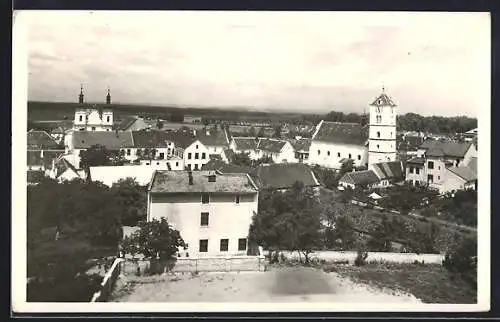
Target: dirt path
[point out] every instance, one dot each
(277, 285)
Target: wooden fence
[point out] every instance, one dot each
(108, 282)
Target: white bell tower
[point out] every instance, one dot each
(382, 133)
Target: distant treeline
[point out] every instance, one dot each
(415, 122)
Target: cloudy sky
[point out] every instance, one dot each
(430, 63)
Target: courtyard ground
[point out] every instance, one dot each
(279, 284)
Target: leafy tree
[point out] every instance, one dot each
(380, 240)
(423, 239)
(132, 198)
(159, 124)
(347, 166)
(99, 155)
(242, 159)
(288, 220)
(252, 132)
(278, 129)
(154, 239)
(261, 132)
(462, 260)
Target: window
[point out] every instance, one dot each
(81, 118)
(196, 166)
(338, 154)
(430, 165)
(196, 155)
(350, 156)
(378, 134)
(417, 170)
(430, 178)
(128, 151)
(379, 118)
(319, 152)
(378, 146)
(177, 164)
(189, 166)
(168, 151)
(439, 178)
(328, 153)
(203, 156)
(237, 199)
(359, 157)
(162, 155)
(203, 245)
(204, 219)
(107, 119)
(242, 244)
(197, 146)
(205, 198)
(93, 128)
(224, 243)
(157, 163)
(147, 163)
(417, 183)
(411, 169)
(189, 156)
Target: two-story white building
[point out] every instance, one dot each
(434, 158)
(246, 145)
(216, 141)
(212, 211)
(279, 150)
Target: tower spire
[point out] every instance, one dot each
(108, 97)
(81, 96)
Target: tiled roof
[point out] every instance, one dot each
(360, 177)
(383, 100)
(344, 133)
(212, 137)
(112, 174)
(301, 145)
(445, 149)
(111, 140)
(280, 176)
(420, 161)
(150, 139)
(223, 167)
(41, 140)
(464, 172)
(473, 164)
(271, 145)
(178, 181)
(61, 165)
(126, 123)
(245, 143)
(34, 157)
(389, 170)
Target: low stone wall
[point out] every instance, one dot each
(202, 264)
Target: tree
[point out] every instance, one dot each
(252, 132)
(154, 239)
(277, 131)
(242, 159)
(96, 155)
(159, 124)
(261, 132)
(132, 198)
(462, 260)
(288, 220)
(380, 240)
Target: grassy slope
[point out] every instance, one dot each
(429, 283)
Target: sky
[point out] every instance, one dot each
(429, 63)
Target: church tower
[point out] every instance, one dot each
(382, 131)
(108, 98)
(80, 97)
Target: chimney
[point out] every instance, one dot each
(190, 174)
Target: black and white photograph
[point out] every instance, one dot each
(250, 161)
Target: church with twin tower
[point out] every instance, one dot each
(90, 117)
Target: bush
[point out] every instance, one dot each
(361, 258)
(462, 260)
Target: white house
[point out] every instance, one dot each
(434, 157)
(333, 142)
(169, 163)
(246, 145)
(42, 149)
(90, 117)
(212, 211)
(216, 141)
(463, 177)
(63, 170)
(279, 150)
(359, 179)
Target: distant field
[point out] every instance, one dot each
(60, 111)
